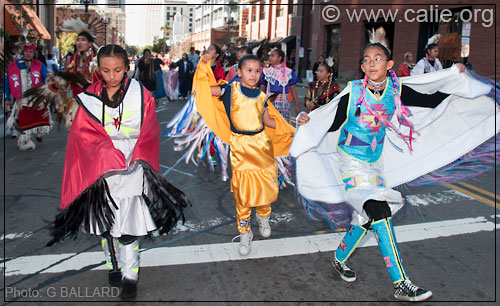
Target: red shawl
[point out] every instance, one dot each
(90, 152)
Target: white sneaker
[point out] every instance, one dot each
(25, 143)
(264, 226)
(245, 243)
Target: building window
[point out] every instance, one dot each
(262, 12)
(254, 13)
(168, 8)
(280, 9)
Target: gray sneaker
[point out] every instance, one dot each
(407, 291)
(345, 272)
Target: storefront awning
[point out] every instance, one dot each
(254, 43)
(12, 23)
(288, 39)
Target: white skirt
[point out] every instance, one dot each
(365, 182)
(132, 216)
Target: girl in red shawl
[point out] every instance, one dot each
(111, 185)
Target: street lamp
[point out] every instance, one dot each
(105, 22)
(229, 21)
(86, 3)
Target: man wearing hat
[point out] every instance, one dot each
(23, 74)
(186, 72)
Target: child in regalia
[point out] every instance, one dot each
(111, 185)
(367, 156)
(323, 90)
(280, 80)
(255, 132)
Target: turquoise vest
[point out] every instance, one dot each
(363, 137)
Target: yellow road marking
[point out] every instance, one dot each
(471, 194)
(480, 190)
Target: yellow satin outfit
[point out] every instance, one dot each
(254, 181)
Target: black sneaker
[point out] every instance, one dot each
(129, 290)
(115, 278)
(345, 272)
(407, 291)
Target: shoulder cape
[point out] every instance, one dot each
(467, 118)
(90, 152)
(213, 113)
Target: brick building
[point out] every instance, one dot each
(345, 37)
(215, 21)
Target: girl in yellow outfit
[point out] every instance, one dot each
(255, 132)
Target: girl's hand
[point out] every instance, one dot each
(206, 58)
(303, 119)
(310, 105)
(461, 67)
(297, 108)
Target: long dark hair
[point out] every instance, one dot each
(280, 53)
(217, 49)
(113, 51)
(378, 45)
(87, 35)
(328, 68)
(430, 47)
(246, 49)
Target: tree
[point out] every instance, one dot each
(132, 50)
(67, 41)
(166, 29)
(160, 45)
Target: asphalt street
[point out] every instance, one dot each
(448, 240)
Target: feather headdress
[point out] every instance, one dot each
(378, 36)
(91, 24)
(433, 40)
(55, 92)
(76, 25)
(254, 50)
(283, 47)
